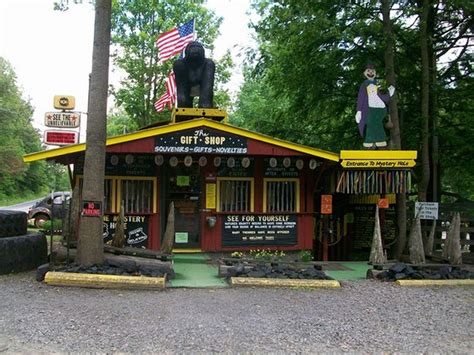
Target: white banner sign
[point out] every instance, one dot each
(62, 119)
(427, 210)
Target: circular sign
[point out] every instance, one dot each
(202, 161)
(114, 159)
(230, 162)
(159, 160)
(286, 162)
(299, 164)
(188, 161)
(217, 161)
(129, 159)
(313, 164)
(245, 162)
(173, 161)
(273, 162)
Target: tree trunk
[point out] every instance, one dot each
(395, 135)
(90, 243)
(119, 236)
(376, 252)
(425, 101)
(168, 239)
(417, 253)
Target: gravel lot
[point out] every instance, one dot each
(363, 316)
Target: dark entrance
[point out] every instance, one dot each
(182, 186)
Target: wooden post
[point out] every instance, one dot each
(455, 256)
(325, 238)
(417, 252)
(429, 243)
(376, 251)
(168, 239)
(119, 235)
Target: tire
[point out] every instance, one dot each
(40, 218)
(13, 223)
(22, 253)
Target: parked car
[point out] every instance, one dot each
(41, 211)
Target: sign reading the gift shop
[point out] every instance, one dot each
(202, 140)
(248, 230)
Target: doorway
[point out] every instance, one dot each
(183, 187)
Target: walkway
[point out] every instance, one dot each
(346, 270)
(196, 271)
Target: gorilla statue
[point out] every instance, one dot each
(194, 77)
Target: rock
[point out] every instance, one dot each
(398, 267)
(400, 276)
(41, 272)
(256, 273)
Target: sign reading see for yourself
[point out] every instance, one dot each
(245, 230)
(202, 140)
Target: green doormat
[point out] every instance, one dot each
(194, 270)
(352, 270)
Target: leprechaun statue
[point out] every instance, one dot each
(371, 111)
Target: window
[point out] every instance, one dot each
(109, 200)
(235, 194)
(137, 195)
(281, 195)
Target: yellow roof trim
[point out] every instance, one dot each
(378, 154)
(151, 132)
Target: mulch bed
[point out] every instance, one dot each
(402, 271)
(111, 268)
(277, 271)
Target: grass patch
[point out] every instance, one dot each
(13, 200)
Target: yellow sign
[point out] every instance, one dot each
(378, 163)
(64, 102)
(210, 196)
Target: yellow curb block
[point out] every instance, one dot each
(254, 281)
(104, 281)
(460, 282)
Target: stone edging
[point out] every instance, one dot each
(54, 278)
(455, 282)
(252, 281)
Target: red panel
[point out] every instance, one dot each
(146, 145)
(262, 148)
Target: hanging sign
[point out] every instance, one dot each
(247, 230)
(60, 137)
(64, 102)
(427, 210)
(383, 203)
(91, 208)
(211, 196)
(203, 140)
(135, 229)
(62, 119)
(326, 204)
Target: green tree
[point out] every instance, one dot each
(305, 75)
(135, 28)
(17, 137)
(118, 122)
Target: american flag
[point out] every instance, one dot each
(169, 97)
(173, 42)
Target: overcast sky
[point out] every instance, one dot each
(51, 51)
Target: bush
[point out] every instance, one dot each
(58, 225)
(306, 255)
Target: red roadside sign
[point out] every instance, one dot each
(60, 137)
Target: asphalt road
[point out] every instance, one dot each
(362, 317)
(24, 206)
